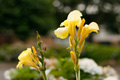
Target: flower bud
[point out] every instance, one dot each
(73, 56)
(38, 36)
(39, 43)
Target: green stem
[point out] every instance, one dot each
(77, 70)
(43, 67)
(44, 75)
(78, 75)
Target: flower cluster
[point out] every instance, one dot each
(110, 78)
(30, 58)
(77, 37)
(90, 66)
(73, 20)
(76, 40)
(109, 71)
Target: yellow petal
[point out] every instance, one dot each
(71, 42)
(35, 53)
(62, 24)
(73, 56)
(92, 27)
(78, 22)
(62, 32)
(71, 30)
(25, 55)
(65, 23)
(81, 48)
(80, 27)
(19, 65)
(74, 15)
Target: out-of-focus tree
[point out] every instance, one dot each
(104, 12)
(25, 16)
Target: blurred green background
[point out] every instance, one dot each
(20, 19)
(24, 17)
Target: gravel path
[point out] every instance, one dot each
(5, 66)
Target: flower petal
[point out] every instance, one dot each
(25, 55)
(65, 23)
(62, 32)
(74, 15)
(35, 54)
(71, 42)
(92, 27)
(19, 65)
(78, 22)
(34, 51)
(80, 27)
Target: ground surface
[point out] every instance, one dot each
(5, 66)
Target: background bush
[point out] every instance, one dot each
(22, 17)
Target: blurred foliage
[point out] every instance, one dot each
(64, 67)
(57, 52)
(25, 74)
(104, 52)
(25, 16)
(8, 53)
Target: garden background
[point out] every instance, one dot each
(20, 19)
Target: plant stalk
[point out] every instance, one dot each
(44, 75)
(77, 70)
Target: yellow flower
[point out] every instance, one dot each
(92, 27)
(27, 58)
(70, 24)
(73, 56)
(73, 20)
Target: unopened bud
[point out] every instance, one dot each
(73, 56)
(34, 51)
(39, 43)
(38, 36)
